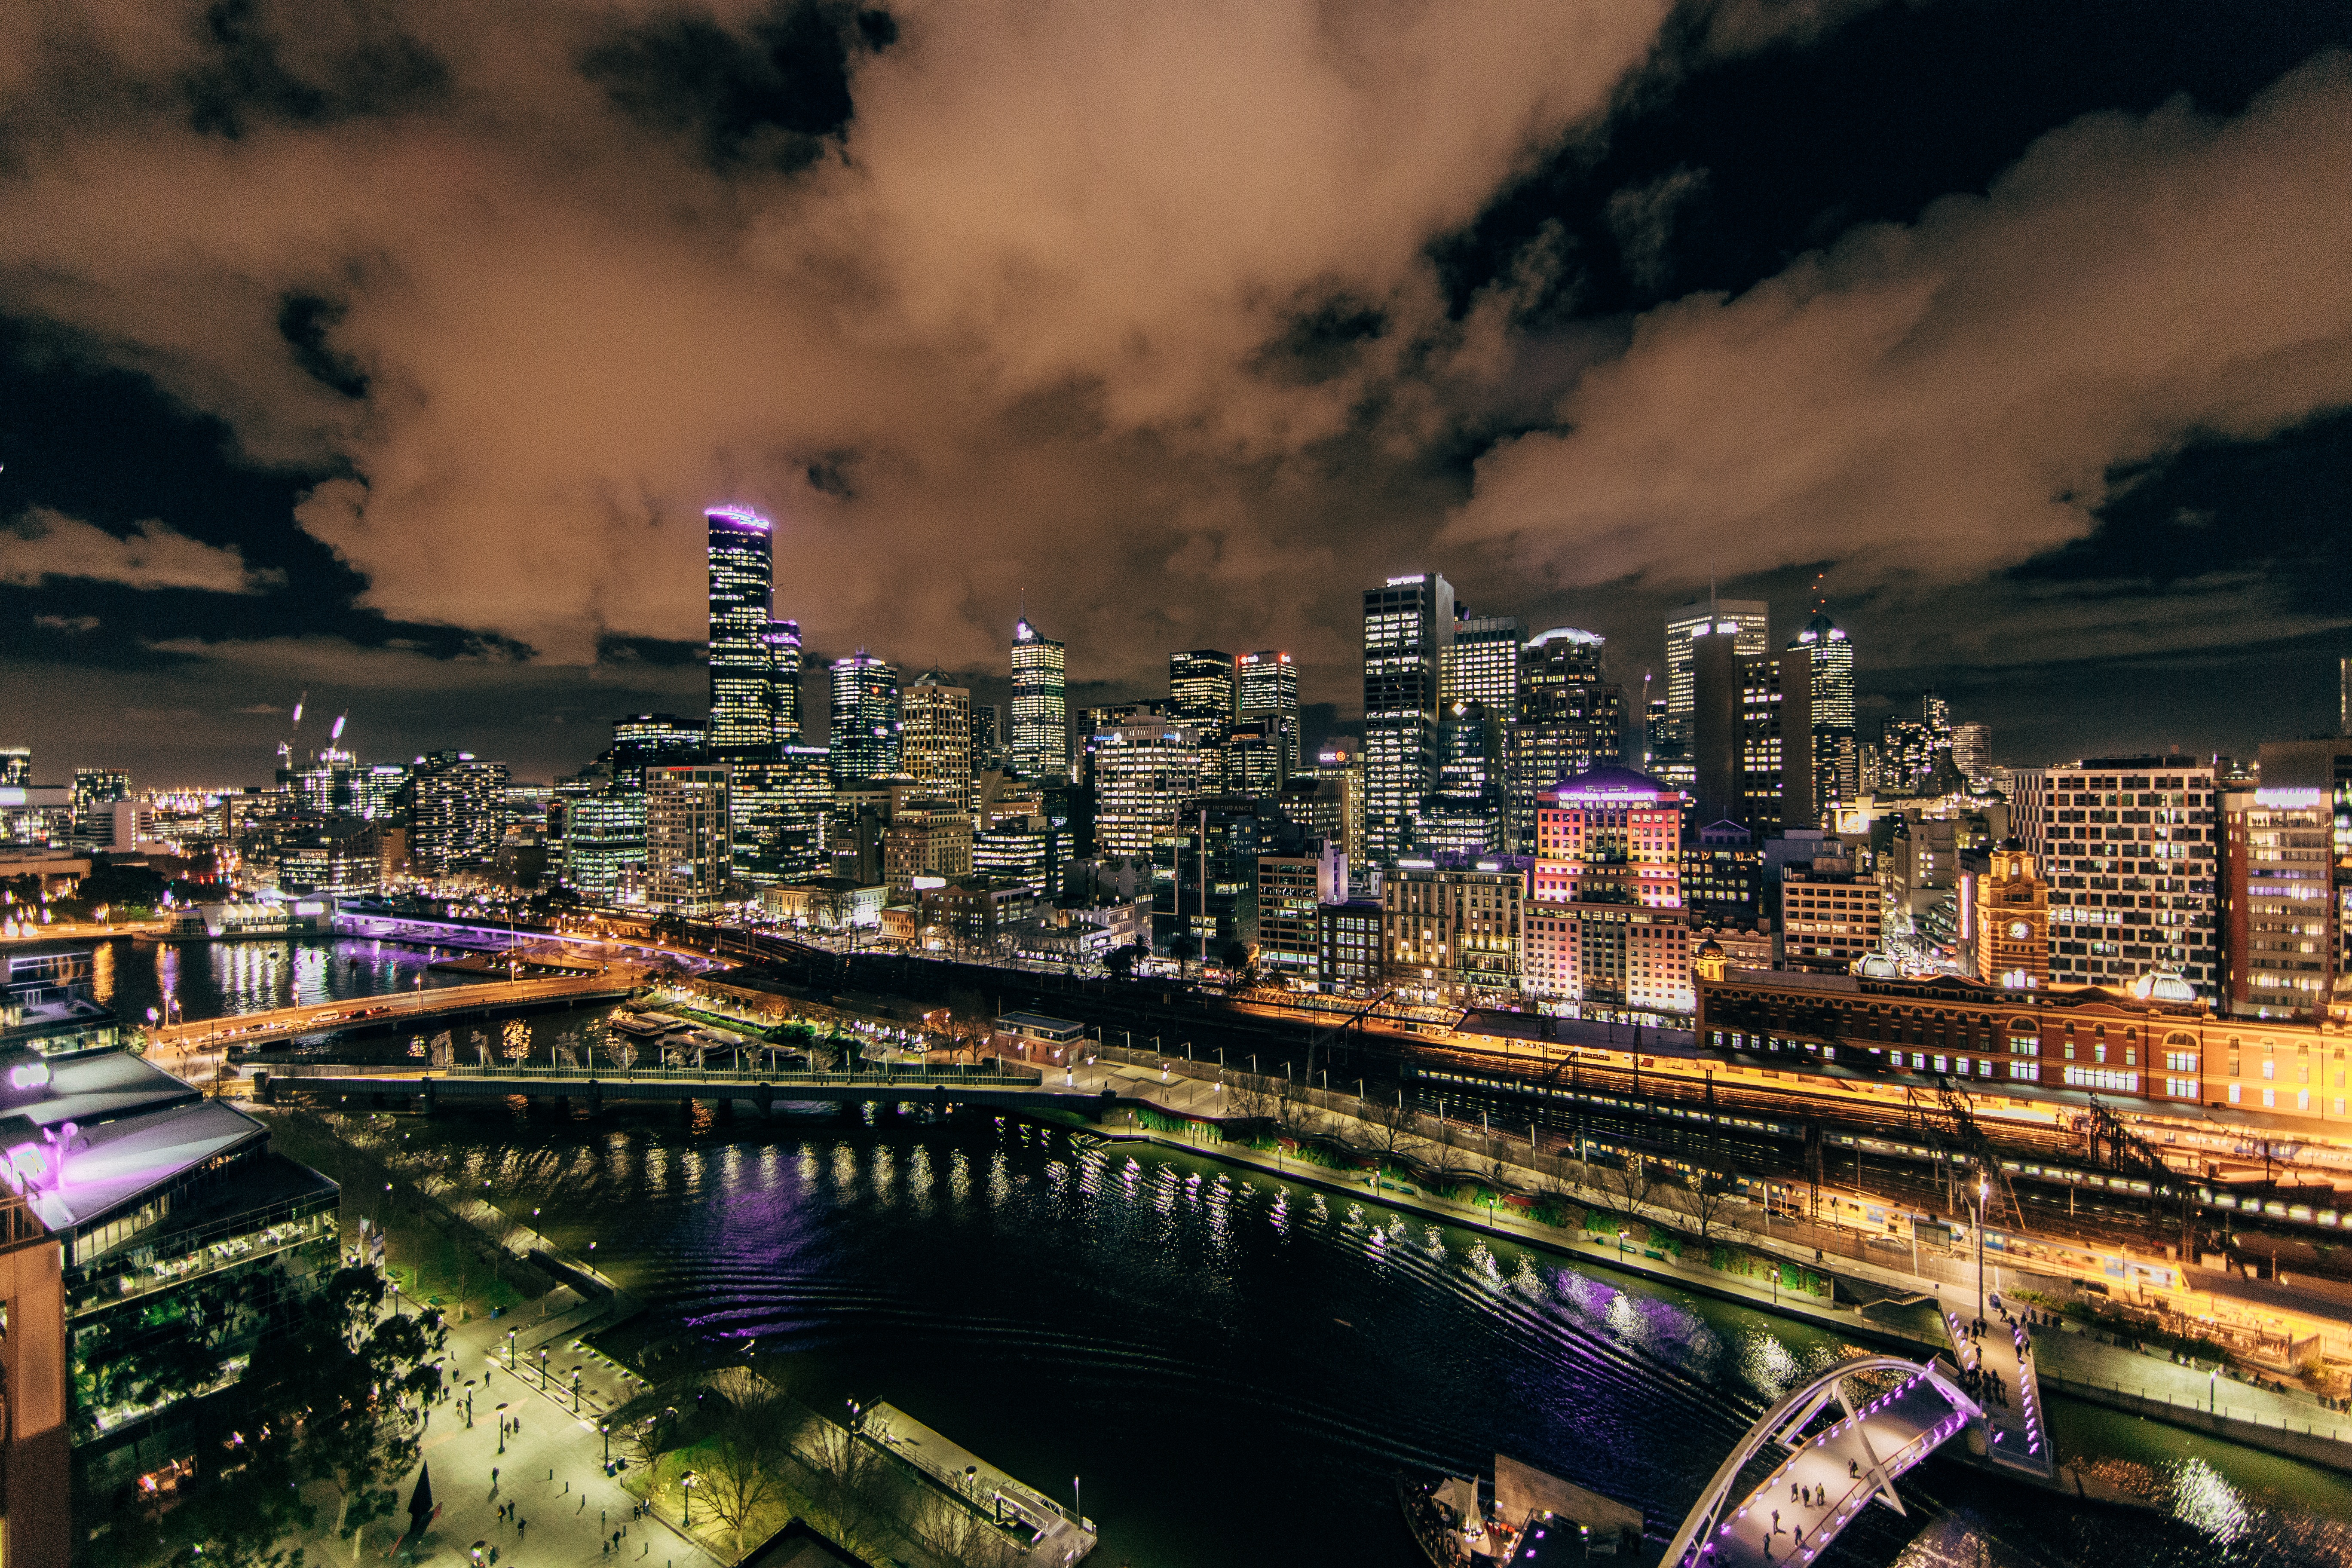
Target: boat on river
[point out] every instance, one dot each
(1455, 1526)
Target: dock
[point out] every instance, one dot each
(1061, 1536)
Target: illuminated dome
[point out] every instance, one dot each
(1876, 966)
(1567, 634)
(1710, 948)
(2162, 985)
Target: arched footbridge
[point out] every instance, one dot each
(1848, 1435)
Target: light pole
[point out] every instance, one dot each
(686, 1485)
(1981, 1194)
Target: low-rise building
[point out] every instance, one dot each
(1291, 891)
(1829, 916)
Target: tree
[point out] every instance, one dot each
(1705, 1195)
(847, 1473)
(369, 1378)
(739, 1461)
(1632, 1179)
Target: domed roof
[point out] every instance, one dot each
(1710, 948)
(1567, 634)
(2162, 985)
(1876, 966)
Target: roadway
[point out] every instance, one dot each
(206, 1036)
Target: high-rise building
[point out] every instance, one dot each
(776, 809)
(1723, 878)
(1145, 773)
(1568, 721)
(2012, 921)
(2325, 766)
(1467, 813)
(925, 841)
(1257, 748)
(745, 639)
(1751, 736)
(865, 728)
(1607, 928)
(456, 812)
(987, 736)
(1482, 664)
(603, 840)
(1408, 627)
(2278, 865)
(1266, 689)
(15, 766)
(1829, 915)
(1831, 655)
(1746, 621)
(690, 838)
(935, 744)
(2130, 847)
(1201, 693)
(96, 792)
(1972, 752)
(784, 672)
(1204, 873)
(641, 741)
(1040, 741)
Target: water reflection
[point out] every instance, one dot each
(1204, 1345)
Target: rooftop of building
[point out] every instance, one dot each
(1609, 782)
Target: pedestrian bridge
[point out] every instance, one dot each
(276, 1024)
(1884, 1416)
(1004, 1089)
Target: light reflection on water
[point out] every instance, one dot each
(1204, 1345)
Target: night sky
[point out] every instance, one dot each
(391, 348)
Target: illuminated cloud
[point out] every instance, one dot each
(44, 544)
(1924, 404)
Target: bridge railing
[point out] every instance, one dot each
(1013, 1079)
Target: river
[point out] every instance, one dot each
(1231, 1367)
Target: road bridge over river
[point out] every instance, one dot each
(396, 1010)
(1010, 1089)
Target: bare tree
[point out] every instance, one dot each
(845, 1472)
(741, 1459)
(952, 1527)
(1705, 1196)
(1632, 1179)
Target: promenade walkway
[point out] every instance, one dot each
(2000, 1354)
(205, 1035)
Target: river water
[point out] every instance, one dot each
(1231, 1367)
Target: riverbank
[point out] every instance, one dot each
(2092, 1371)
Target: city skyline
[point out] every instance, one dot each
(1667, 299)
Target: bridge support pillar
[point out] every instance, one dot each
(767, 1101)
(426, 1101)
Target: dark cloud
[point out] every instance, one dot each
(660, 653)
(323, 62)
(771, 93)
(304, 322)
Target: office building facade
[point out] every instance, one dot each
(1265, 694)
(689, 839)
(2131, 849)
(1453, 923)
(935, 738)
(1482, 664)
(1145, 773)
(754, 658)
(1607, 927)
(456, 812)
(1748, 622)
(866, 729)
(1408, 629)
(1040, 739)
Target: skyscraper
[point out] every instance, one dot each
(689, 846)
(1482, 665)
(1568, 721)
(1145, 774)
(1040, 741)
(1824, 642)
(935, 748)
(784, 674)
(1750, 621)
(456, 812)
(865, 726)
(745, 639)
(1408, 626)
(1201, 692)
(1265, 688)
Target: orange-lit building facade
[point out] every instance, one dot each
(2153, 1045)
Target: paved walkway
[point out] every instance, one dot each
(2008, 1389)
(551, 1468)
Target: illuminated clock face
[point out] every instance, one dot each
(2018, 930)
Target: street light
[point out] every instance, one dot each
(686, 1484)
(1983, 1191)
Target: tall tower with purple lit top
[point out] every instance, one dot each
(744, 640)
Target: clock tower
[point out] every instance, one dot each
(2012, 922)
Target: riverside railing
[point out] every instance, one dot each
(968, 1076)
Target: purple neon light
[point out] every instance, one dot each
(742, 515)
